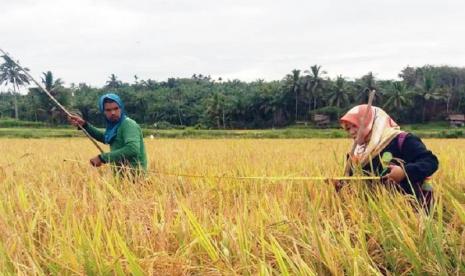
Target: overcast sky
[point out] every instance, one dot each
(87, 40)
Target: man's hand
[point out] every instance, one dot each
(396, 174)
(76, 121)
(96, 161)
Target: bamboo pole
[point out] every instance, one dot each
(359, 138)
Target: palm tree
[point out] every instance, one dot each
(50, 84)
(149, 84)
(10, 73)
(216, 108)
(449, 92)
(339, 96)
(293, 81)
(367, 84)
(56, 89)
(397, 97)
(427, 91)
(314, 84)
(176, 98)
(113, 82)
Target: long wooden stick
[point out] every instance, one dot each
(52, 98)
(361, 129)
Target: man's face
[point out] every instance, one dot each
(112, 111)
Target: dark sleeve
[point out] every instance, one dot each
(96, 133)
(420, 162)
(131, 138)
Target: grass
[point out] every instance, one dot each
(284, 133)
(68, 218)
(8, 123)
(10, 128)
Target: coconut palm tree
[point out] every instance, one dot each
(339, 95)
(11, 73)
(427, 91)
(50, 84)
(294, 84)
(398, 97)
(216, 109)
(314, 84)
(113, 82)
(367, 84)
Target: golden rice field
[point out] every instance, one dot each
(66, 218)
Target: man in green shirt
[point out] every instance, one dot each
(123, 134)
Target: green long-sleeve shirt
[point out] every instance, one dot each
(126, 148)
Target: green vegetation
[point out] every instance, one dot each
(38, 133)
(6, 123)
(25, 129)
(424, 94)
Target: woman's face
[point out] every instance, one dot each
(351, 129)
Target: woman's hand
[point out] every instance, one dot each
(396, 174)
(338, 184)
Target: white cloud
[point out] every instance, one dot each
(87, 40)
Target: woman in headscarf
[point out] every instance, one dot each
(123, 134)
(381, 148)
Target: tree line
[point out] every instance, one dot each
(422, 94)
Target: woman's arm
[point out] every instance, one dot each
(420, 162)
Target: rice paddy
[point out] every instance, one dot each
(66, 218)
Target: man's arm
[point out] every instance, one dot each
(93, 131)
(131, 138)
(96, 133)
